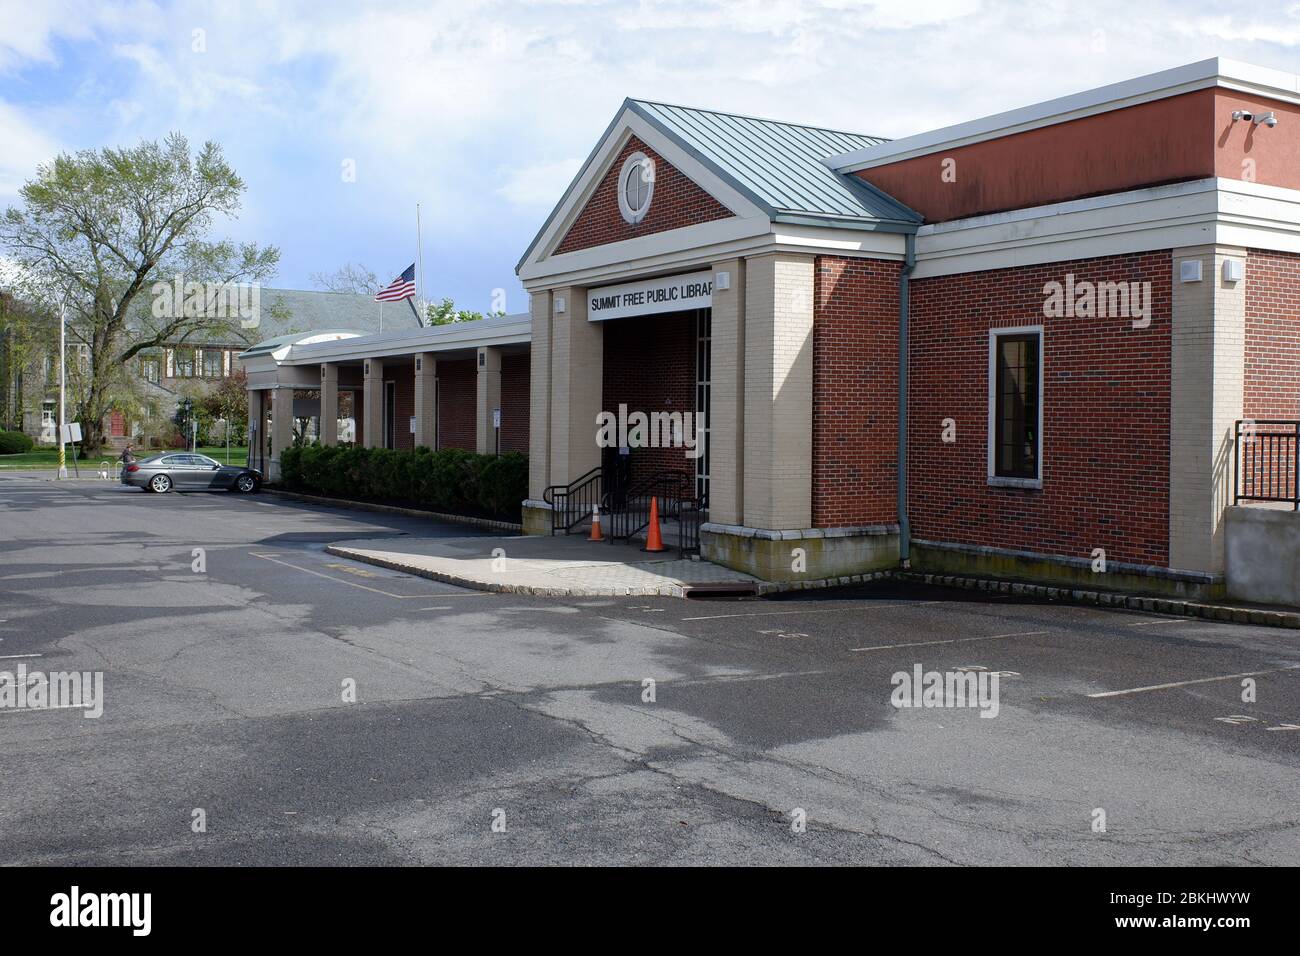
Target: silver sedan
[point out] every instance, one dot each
(186, 471)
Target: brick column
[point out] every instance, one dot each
(727, 401)
(488, 398)
(778, 349)
(329, 403)
(256, 426)
(577, 362)
(539, 396)
(373, 400)
(1206, 398)
(426, 400)
(281, 425)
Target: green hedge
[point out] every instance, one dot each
(15, 443)
(449, 480)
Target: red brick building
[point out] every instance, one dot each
(1026, 345)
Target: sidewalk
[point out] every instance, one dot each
(560, 566)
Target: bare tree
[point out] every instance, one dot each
(356, 279)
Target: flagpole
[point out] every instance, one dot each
(419, 257)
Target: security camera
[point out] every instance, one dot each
(1268, 119)
(1242, 115)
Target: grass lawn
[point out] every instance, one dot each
(42, 458)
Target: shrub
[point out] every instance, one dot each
(450, 479)
(15, 443)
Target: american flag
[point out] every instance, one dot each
(403, 287)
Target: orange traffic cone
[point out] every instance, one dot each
(595, 524)
(653, 540)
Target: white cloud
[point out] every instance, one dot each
(478, 109)
(25, 147)
(538, 186)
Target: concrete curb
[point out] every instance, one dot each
(1157, 605)
(780, 587)
(1111, 599)
(485, 523)
(536, 591)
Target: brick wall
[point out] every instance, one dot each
(855, 392)
(677, 202)
(1106, 415)
(514, 402)
(1272, 367)
(1272, 335)
(649, 364)
(457, 404)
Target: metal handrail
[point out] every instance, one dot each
(628, 512)
(1266, 464)
(572, 504)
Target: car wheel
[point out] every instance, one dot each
(246, 484)
(160, 483)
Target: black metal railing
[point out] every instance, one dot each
(625, 513)
(1266, 461)
(572, 504)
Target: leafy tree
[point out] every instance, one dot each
(445, 313)
(228, 401)
(99, 229)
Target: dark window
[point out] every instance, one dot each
(1015, 405)
(213, 364)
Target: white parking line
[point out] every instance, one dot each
(1163, 620)
(1186, 683)
(829, 610)
(955, 640)
(14, 657)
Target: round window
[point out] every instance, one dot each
(636, 187)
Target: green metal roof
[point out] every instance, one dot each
(780, 166)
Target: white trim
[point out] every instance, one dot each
(994, 479)
(1202, 212)
(507, 330)
(1214, 72)
(665, 246)
(669, 252)
(642, 162)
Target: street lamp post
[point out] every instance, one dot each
(63, 408)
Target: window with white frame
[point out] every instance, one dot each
(1015, 447)
(636, 187)
(214, 363)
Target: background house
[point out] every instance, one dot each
(161, 377)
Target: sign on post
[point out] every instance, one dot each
(71, 433)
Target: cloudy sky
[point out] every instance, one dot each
(482, 111)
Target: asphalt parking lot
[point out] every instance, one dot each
(224, 692)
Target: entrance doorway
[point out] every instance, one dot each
(390, 404)
(703, 395)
